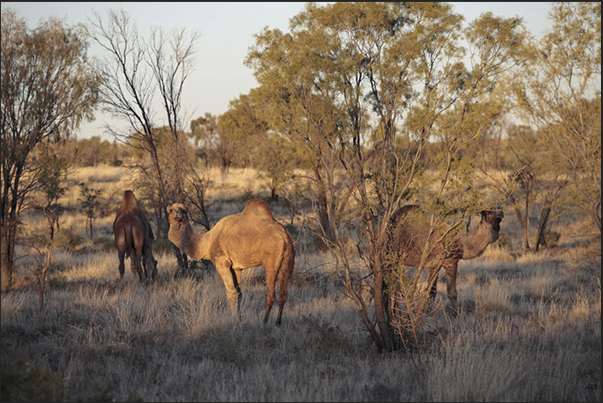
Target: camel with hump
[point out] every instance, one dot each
(247, 239)
(134, 239)
(410, 236)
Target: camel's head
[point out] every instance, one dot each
(493, 219)
(177, 213)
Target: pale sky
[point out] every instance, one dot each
(227, 32)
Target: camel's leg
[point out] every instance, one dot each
(135, 264)
(138, 243)
(229, 277)
(152, 271)
(122, 269)
(451, 270)
(271, 274)
(282, 298)
(149, 264)
(284, 273)
(433, 291)
(237, 278)
(145, 266)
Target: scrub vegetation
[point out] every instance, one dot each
(361, 109)
(529, 327)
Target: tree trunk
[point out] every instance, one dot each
(381, 300)
(322, 205)
(182, 259)
(542, 222)
(525, 223)
(8, 250)
(7, 261)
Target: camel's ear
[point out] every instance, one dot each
(169, 210)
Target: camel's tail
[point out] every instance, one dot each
(129, 240)
(285, 271)
(287, 263)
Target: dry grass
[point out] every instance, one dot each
(530, 328)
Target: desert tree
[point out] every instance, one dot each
(134, 72)
(525, 176)
(217, 147)
(48, 89)
(298, 103)
(269, 152)
(53, 160)
(561, 99)
(323, 83)
(172, 60)
(205, 137)
(89, 199)
(362, 87)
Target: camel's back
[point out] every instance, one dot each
(254, 231)
(254, 223)
(410, 232)
(258, 209)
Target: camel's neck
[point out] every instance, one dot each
(188, 241)
(476, 242)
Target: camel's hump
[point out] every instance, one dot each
(258, 208)
(129, 204)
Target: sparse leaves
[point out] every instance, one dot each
(48, 88)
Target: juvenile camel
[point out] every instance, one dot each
(134, 239)
(239, 241)
(410, 233)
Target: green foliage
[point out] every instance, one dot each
(23, 381)
(552, 238)
(90, 204)
(69, 239)
(48, 88)
(99, 393)
(95, 151)
(162, 246)
(359, 89)
(561, 96)
(108, 244)
(504, 240)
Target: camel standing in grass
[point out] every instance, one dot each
(134, 239)
(410, 233)
(239, 241)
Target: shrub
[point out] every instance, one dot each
(22, 381)
(68, 239)
(504, 240)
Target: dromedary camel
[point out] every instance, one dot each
(134, 239)
(410, 233)
(239, 241)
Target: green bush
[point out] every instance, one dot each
(504, 240)
(162, 246)
(552, 239)
(22, 381)
(68, 239)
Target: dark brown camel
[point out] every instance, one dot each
(239, 241)
(410, 232)
(134, 239)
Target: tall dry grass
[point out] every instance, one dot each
(529, 330)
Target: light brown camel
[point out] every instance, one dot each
(410, 234)
(134, 239)
(239, 241)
